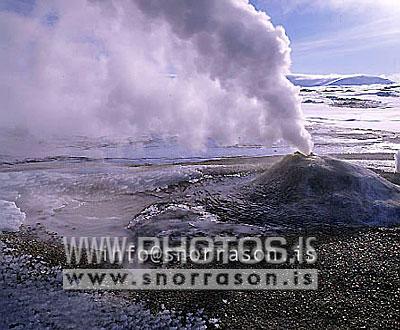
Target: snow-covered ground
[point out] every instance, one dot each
(88, 185)
(84, 186)
(353, 119)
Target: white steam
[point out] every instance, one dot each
(196, 69)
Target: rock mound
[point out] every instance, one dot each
(319, 189)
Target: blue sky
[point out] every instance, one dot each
(340, 36)
(327, 36)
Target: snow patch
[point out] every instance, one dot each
(11, 216)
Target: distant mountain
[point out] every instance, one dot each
(331, 80)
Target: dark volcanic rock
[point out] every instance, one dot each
(314, 189)
(298, 192)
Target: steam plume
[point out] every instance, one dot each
(196, 69)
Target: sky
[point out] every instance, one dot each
(327, 36)
(340, 36)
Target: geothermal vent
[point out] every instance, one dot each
(321, 190)
(298, 192)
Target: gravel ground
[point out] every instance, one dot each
(359, 287)
(32, 297)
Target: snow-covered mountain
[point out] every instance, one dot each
(304, 80)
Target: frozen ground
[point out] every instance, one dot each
(96, 186)
(32, 297)
(84, 186)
